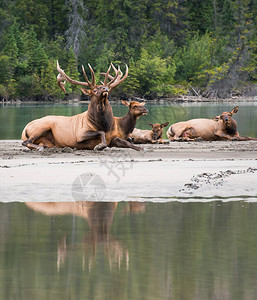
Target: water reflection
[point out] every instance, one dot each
(99, 217)
(128, 251)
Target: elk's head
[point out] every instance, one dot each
(226, 116)
(157, 129)
(98, 93)
(137, 109)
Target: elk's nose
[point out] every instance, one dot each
(105, 91)
(226, 119)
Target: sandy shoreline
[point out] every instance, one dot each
(180, 171)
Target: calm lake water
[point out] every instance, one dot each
(151, 251)
(13, 118)
(177, 251)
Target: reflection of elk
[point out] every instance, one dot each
(149, 136)
(83, 131)
(99, 216)
(222, 127)
(135, 207)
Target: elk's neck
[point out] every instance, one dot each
(128, 123)
(100, 217)
(231, 128)
(100, 115)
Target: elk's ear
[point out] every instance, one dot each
(126, 103)
(85, 91)
(234, 110)
(150, 124)
(164, 124)
(217, 118)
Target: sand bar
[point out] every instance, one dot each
(178, 171)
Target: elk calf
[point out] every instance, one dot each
(149, 136)
(222, 127)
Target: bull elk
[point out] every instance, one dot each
(83, 131)
(149, 136)
(222, 127)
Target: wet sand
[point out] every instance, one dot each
(178, 171)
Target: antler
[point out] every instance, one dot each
(116, 80)
(112, 84)
(62, 78)
(61, 82)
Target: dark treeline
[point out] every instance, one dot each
(171, 46)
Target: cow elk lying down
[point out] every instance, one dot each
(123, 126)
(222, 127)
(94, 129)
(153, 136)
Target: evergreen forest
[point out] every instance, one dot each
(172, 47)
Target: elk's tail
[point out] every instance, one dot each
(169, 133)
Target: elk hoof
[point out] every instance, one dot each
(100, 147)
(139, 148)
(131, 140)
(179, 139)
(199, 139)
(41, 149)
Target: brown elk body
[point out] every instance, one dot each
(149, 136)
(87, 130)
(222, 127)
(124, 126)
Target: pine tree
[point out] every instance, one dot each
(11, 57)
(48, 80)
(72, 71)
(37, 58)
(33, 13)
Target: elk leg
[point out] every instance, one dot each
(120, 143)
(223, 135)
(29, 143)
(155, 141)
(45, 140)
(159, 141)
(140, 141)
(245, 138)
(94, 134)
(178, 133)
